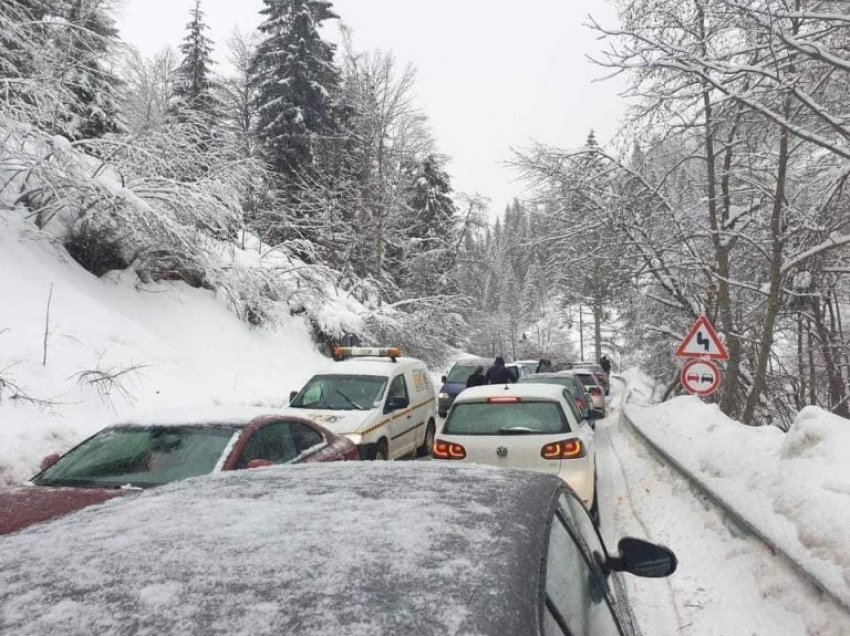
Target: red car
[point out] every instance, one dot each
(157, 450)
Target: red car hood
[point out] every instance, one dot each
(22, 507)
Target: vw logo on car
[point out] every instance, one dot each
(502, 451)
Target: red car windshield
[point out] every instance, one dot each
(140, 456)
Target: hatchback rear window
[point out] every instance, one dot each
(483, 418)
(586, 379)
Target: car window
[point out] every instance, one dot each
(273, 442)
(460, 373)
(485, 418)
(587, 533)
(398, 389)
(575, 592)
(141, 456)
(305, 436)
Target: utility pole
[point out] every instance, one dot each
(581, 332)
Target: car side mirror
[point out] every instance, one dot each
(395, 402)
(48, 461)
(443, 379)
(259, 463)
(292, 395)
(643, 558)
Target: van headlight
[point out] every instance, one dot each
(355, 438)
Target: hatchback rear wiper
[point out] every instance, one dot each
(517, 430)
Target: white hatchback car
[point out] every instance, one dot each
(527, 426)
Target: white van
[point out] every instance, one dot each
(382, 402)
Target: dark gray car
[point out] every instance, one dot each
(351, 548)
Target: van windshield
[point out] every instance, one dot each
(341, 393)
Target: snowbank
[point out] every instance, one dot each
(793, 487)
(169, 344)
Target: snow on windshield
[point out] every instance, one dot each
(355, 548)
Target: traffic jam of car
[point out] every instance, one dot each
(220, 511)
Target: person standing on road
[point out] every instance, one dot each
(476, 378)
(544, 366)
(499, 374)
(605, 363)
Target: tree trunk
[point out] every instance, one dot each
(775, 288)
(801, 365)
(597, 331)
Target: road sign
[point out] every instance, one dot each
(700, 377)
(702, 341)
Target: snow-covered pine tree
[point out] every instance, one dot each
(88, 43)
(194, 97)
(295, 78)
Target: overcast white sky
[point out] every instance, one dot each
(491, 75)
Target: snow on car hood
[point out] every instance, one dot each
(339, 422)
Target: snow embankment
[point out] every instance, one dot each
(116, 346)
(794, 487)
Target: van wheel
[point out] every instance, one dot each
(381, 453)
(428, 444)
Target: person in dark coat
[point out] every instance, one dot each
(605, 363)
(498, 373)
(476, 378)
(544, 366)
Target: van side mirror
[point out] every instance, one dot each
(292, 395)
(643, 558)
(443, 379)
(395, 403)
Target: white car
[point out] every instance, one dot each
(382, 402)
(529, 426)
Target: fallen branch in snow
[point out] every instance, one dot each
(108, 381)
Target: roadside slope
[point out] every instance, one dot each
(170, 345)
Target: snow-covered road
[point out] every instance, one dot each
(728, 583)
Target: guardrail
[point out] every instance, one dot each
(737, 518)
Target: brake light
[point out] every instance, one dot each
(504, 400)
(447, 450)
(566, 449)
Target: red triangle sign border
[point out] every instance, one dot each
(703, 323)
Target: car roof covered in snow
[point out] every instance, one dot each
(524, 390)
(200, 416)
(348, 547)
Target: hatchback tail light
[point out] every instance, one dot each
(447, 450)
(565, 449)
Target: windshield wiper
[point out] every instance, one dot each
(348, 399)
(517, 430)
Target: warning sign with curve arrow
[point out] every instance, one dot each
(702, 341)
